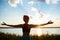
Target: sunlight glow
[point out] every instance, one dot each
(39, 32)
(37, 19)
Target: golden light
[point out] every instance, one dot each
(36, 19)
(39, 32)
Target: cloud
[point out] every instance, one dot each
(55, 1)
(39, 16)
(46, 1)
(31, 3)
(41, 0)
(52, 1)
(49, 1)
(35, 10)
(14, 3)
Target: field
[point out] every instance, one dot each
(6, 36)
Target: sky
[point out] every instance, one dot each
(12, 11)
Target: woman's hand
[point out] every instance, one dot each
(3, 23)
(50, 22)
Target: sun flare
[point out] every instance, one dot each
(39, 32)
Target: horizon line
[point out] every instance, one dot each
(35, 27)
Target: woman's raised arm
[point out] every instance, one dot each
(20, 25)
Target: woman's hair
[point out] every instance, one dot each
(26, 18)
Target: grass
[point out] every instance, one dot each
(7, 36)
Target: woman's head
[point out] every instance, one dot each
(26, 18)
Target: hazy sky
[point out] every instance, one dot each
(12, 11)
(39, 11)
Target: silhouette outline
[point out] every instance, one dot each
(27, 27)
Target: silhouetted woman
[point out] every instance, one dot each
(26, 27)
